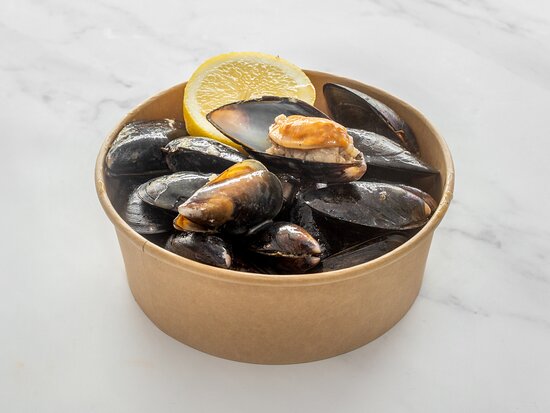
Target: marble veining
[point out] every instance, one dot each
(477, 338)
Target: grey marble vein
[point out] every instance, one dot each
(476, 340)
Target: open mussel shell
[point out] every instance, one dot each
(362, 252)
(137, 147)
(195, 153)
(287, 247)
(144, 218)
(355, 109)
(170, 191)
(247, 123)
(372, 204)
(237, 201)
(206, 248)
(388, 160)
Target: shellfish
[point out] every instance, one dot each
(195, 153)
(170, 191)
(239, 200)
(137, 147)
(290, 136)
(355, 109)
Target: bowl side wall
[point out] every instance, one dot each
(268, 324)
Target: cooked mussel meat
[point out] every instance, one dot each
(195, 153)
(137, 147)
(290, 136)
(286, 247)
(372, 204)
(237, 201)
(355, 109)
(170, 191)
(206, 248)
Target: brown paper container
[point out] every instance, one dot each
(277, 319)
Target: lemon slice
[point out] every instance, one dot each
(231, 77)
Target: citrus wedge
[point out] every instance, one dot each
(238, 76)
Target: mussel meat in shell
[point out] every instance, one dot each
(355, 109)
(287, 247)
(137, 147)
(170, 191)
(290, 136)
(315, 140)
(362, 252)
(206, 248)
(386, 159)
(372, 204)
(237, 201)
(195, 153)
(144, 218)
(247, 122)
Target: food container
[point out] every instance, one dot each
(274, 319)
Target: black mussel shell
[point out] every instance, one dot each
(387, 160)
(291, 186)
(206, 248)
(432, 203)
(355, 109)
(247, 123)
(245, 261)
(362, 252)
(137, 147)
(170, 191)
(195, 153)
(144, 218)
(237, 201)
(372, 204)
(324, 172)
(120, 187)
(302, 215)
(287, 247)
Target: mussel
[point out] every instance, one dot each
(195, 153)
(290, 136)
(206, 248)
(362, 252)
(137, 147)
(291, 186)
(388, 160)
(144, 218)
(286, 247)
(170, 191)
(239, 200)
(302, 215)
(355, 109)
(372, 204)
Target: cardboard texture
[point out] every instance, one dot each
(277, 319)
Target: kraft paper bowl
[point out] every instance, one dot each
(277, 319)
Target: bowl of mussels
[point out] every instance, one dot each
(303, 234)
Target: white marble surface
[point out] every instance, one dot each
(72, 339)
